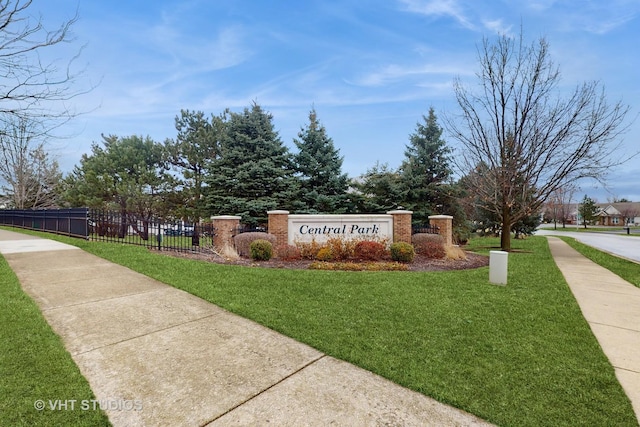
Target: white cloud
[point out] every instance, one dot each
(396, 73)
(438, 8)
(593, 16)
(200, 54)
(497, 26)
(540, 5)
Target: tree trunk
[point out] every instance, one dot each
(505, 236)
(122, 230)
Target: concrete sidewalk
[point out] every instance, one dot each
(162, 357)
(611, 306)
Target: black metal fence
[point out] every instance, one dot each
(70, 222)
(246, 228)
(128, 228)
(430, 229)
(152, 232)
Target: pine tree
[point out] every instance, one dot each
(254, 172)
(195, 146)
(425, 169)
(319, 165)
(126, 173)
(588, 210)
(378, 190)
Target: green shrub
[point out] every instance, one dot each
(402, 252)
(368, 250)
(243, 240)
(261, 250)
(429, 245)
(462, 234)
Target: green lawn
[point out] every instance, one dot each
(35, 366)
(520, 355)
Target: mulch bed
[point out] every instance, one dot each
(420, 263)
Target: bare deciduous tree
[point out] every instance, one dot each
(29, 83)
(559, 204)
(629, 212)
(29, 175)
(35, 88)
(532, 139)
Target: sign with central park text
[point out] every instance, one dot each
(319, 228)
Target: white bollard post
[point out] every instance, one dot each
(498, 261)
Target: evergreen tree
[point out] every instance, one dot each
(254, 172)
(379, 190)
(127, 174)
(322, 184)
(196, 145)
(425, 169)
(588, 210)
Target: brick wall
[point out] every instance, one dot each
(279, 226)
(401, 225)
(445, 224)
(224, 228)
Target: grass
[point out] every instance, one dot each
(520, 355)
(166, 241)
(628, 270)
(34, 365)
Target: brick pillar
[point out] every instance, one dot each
(279, 226)
(445, 224)
(401, 225)
(224, 226)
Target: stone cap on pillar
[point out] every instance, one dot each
(226, 217)
(277, 212)
(399, 212)
(440, 217)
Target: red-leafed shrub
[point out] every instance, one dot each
(288, 253)
(429, 245)
(434, 250)
(368, 250)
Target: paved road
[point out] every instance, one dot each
(618, 244)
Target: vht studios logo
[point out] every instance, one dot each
(88, 405)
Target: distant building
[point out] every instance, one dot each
(610, 214)
(5, 202)
(619, 213)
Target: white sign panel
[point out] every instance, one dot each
(307, 228)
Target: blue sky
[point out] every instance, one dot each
(370, 68)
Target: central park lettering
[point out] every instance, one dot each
(344, 229)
